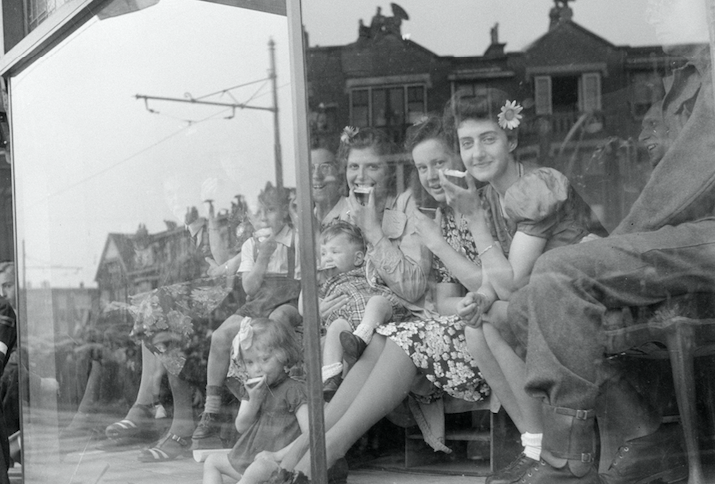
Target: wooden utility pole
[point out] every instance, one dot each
(276, 125)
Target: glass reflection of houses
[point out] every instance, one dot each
(584, 97)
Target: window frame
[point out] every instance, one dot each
(71, 17)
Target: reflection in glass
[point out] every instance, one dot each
(141, 143)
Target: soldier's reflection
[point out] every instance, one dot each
(654, 135)
(662, 249)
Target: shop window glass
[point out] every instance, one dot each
(118, 160)
(140, 146)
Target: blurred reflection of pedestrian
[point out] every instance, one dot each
(9, 383)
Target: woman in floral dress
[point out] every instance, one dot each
(172, 324)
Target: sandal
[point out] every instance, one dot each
(168, 448)
(126, 430)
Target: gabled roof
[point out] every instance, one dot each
(117, 247)
(572, 27)
(567, 45)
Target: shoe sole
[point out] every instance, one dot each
(671, 476)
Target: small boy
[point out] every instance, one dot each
(361, 304)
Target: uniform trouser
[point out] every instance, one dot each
(559, 315)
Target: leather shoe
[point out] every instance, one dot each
(655, 458)
(331, 386)
(353, 347)
(543, 473)
(513, 472)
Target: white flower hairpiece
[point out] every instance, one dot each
(348, 133)
(509, 117)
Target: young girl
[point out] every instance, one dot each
(437, 348)
(274, 411)
(270, 275)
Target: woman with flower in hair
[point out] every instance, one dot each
(503, 227)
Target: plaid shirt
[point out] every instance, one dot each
(359, 289)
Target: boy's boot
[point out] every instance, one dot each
(568, 448)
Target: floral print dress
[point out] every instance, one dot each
(437, 346)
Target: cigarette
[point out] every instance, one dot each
(455, 173)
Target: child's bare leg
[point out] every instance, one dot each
(340, 403)
(378, 310)
(387, 385)
(216, 371)
(332, 371)
(216, 466)
(258, 472)
(287, 314)
(333, 351)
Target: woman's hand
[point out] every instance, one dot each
(471, 308)
(330, 304)
(465, 201)
(366, 217)
(430, 231)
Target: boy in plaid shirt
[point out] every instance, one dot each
(356, 305)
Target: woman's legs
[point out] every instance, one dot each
(387, 385)
(340, 403)
(183, 422)
(493, 374)
(514, 370)
(150, 366)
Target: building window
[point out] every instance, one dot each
(360, 107)
(387, 107)
(567, 94)
(415, 103)
(590, 92)
(542, 95)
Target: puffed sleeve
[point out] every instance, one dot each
(296, 397)
(535, 201)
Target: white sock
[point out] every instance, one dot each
(532, 445)
(330, 371)
(364, 332)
